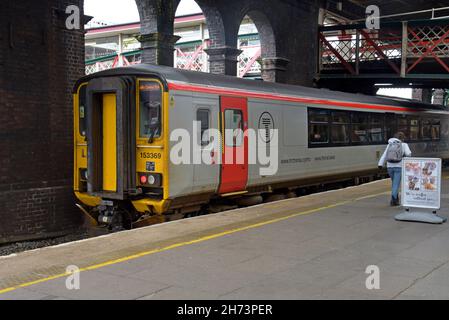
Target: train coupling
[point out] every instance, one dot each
(110, 215)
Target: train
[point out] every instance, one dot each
(131, 167)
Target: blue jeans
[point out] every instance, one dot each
(395, 175)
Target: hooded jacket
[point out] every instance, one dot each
(405, 152)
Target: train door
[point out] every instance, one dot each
(109, 137)
(108, 142)
(234, 162)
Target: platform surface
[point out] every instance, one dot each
(312, 247)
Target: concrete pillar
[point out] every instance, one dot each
(273, 69)
(223, 60)
(157, 48)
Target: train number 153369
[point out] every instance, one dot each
(150, 155)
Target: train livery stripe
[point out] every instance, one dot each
(280, 97)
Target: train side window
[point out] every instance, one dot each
(426, 129)
(403, 126)
(203, 117)
(360, 128)
(233, 127)
(376, 131)
(318, 126)
(414, 129)
(150, 118)
(390, 125)
(340, 131)
(82, 110)
(436, 129)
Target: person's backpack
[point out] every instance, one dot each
(394, 152)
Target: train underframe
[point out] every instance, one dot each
(116, 215)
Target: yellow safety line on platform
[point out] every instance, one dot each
(181, 244)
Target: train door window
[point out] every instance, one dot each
(426, 129)
(436, 129)
(414, 129)
(150, 99)
(403, 127)
(234, 125)
(376, 131)
(203, 117)
(360, 128)
(82, 98)
(340, 127)
(318, 126)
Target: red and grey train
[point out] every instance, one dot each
(125, 119)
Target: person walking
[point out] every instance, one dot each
(393, 154)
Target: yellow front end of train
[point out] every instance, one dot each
(120, 149)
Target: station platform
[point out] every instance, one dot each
(312, 247)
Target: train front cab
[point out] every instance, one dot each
(120, 142)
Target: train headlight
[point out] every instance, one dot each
(150, 179)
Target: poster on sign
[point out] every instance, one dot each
(421, 183)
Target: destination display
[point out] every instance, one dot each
(421, 182)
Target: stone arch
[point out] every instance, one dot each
(157, 15)
(156, 30)
(214, 23)
(266, 33)
(273, 66)
(222, 52)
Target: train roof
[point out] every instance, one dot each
(169, 74)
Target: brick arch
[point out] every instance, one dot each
(214, 22)
(273, 63)
(223, 31)
(266, 32)
(156, 30)
(157, 15)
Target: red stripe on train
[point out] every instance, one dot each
(237, 92)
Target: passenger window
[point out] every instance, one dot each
(320, 116)
(340, 127)
(360, 128)
(376, 131)
(403, 127)
(436, 129)
(414, 129)
(82, 110)
(150, 117)
(390, 126)
(202, 116)
(426, 129)
(318, 127)
(233, 128)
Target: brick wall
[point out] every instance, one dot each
(39, 62)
